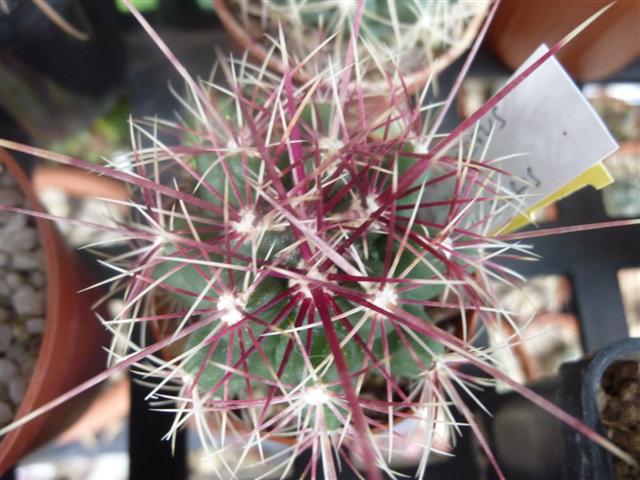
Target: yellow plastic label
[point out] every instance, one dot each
(597, 176)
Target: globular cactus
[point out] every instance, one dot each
(310, 264)
(415, 38)
(302, 270)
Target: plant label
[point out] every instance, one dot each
(558, 138)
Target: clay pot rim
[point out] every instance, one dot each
(53, 263)
(77, 183)
(411, 82)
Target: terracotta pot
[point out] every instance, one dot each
(250, 41)
(605, 46)
(71, 349)
(77, 183)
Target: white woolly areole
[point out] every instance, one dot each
(232, 145)
(158, 242)
(245, 225)
(372, 204)
(447, 243)
(231, 305)
(385, 298)
(315, 396)
(347, 6)
(330, 144)
(420, 148)
(360, 211)
(425, 22)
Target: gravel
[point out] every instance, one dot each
(8, 370)
(12, 280)
(22, 299)
(27, 261)
(27, 301)
(21, 240)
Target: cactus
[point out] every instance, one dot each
(308, 252)
(310, 261)
(297, 241)
(415, 38)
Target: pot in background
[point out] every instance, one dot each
(529, 444)
(249, 39)
(604, 47)
(579, 388)
(71, 348)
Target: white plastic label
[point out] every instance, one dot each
(548, 121)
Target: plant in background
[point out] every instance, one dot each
(412, 39)
(312, 263)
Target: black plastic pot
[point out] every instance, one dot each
(530, 444)
(579, 384)
(525, 440)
